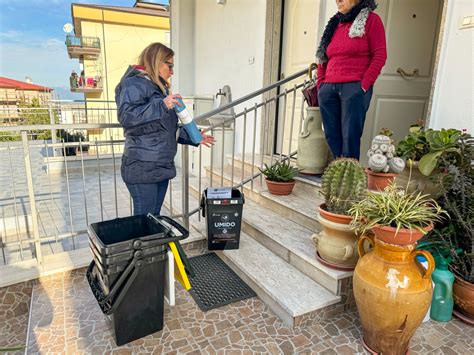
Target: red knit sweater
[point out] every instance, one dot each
(355, 59)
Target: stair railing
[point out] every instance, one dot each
(274, 144)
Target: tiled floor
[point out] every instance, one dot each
(65, 318)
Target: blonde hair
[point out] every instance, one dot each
(152, 58)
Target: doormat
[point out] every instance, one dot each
(312, 179)
(215, 284)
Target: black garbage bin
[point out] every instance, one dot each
(223, 220)
(127, 273)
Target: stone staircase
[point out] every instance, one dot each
(276, 255)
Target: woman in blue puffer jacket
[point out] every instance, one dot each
(145, 111)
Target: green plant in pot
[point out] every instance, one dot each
(392, 290)
(344, 182)
(426, 151)
(280, 177)
(456, 236)
(395, 215)
(383, 164)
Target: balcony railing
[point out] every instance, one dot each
(81, 46)
(86, 84)
(52, 189)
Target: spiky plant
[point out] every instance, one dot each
(344, 183)
(394, 207)
(280, 172)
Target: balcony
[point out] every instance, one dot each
(83, 47)
(86, 84)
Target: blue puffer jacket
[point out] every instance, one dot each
(150, 129)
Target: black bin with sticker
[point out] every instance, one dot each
(223, 217)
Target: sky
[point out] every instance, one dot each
(32, 40)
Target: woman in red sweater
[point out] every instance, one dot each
(350, 57)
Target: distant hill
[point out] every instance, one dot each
(64, 93)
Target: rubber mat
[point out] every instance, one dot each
(215, 284)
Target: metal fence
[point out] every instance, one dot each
(53, 188)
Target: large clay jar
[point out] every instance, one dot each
(312, 146)
(393, 293)
(463, 293)
(337, 242)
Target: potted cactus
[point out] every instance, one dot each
(280, 177)
(343, 184)
(383, 163)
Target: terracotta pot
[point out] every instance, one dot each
(463, 293)
(378, 181)
(393, 293)
(403, 237)
(280, 188)
(334, 217)
(336, 243)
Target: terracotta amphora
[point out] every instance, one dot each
(393, 293)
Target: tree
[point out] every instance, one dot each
(35, 114)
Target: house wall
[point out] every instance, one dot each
(121, 44)
(219, 45)
(453, 96)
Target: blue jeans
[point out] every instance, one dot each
(343, 107)
(148, 198)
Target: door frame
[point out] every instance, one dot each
(273, 56)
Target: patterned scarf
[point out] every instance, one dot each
(358, 16)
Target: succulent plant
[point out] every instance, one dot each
(382, 157)
(344, 183)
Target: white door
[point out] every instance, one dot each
(300, 30)
(412, 31)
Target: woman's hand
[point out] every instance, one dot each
(207, 140)
(170, 101)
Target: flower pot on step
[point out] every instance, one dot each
(337, 242)
(463, 294)
(393, 293)
(280, 188)
(379, 181)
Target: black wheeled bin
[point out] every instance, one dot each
(127, 273)
(223, 220)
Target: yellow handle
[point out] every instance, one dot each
(429, 258)
(360, 245)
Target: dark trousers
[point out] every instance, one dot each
(343, 107)
(148, 198)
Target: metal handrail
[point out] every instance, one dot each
(263, 105)
(256, 93)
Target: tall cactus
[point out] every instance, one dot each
(344, 183)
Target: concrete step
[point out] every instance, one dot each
(291, 242)
(277, 265)
(311, 180)
(301, 206)
(285, 236)
(293, 296)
